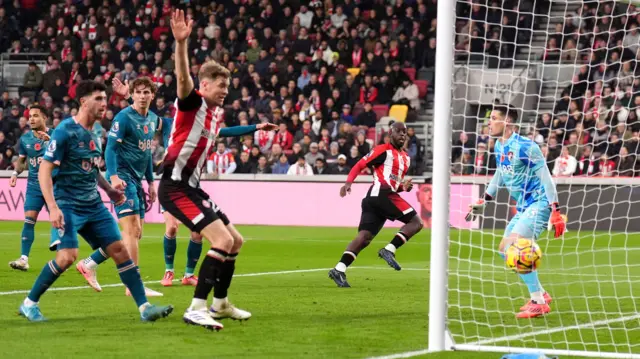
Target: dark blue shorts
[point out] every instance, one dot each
(33, 199)
(95, 224)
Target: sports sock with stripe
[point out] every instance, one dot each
(345, 261)
(193, 255)
(96, 258)
(130, 277)
(49, 274)
(169, 251)
(398, 240)
(28, 234)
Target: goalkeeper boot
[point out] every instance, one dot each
(228, 310)
(89, 275)
(32, 313)
(547, 299)
(339, 277)
(534, 310)
(20, 264)
(152, 312)
(390, 258)
(201, 318)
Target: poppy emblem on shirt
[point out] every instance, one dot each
(92, 145)
(146, 129)
(37, 147)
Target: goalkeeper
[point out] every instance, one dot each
(521, 168)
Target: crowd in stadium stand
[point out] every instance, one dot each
(325, 71)
(594, 129)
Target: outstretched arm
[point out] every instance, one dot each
(236, 131)
(181, 28)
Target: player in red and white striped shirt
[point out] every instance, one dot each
(389, 163)
(195, 128)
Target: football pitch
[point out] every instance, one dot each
(281, 277)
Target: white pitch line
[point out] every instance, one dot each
(597, 323)
(402, 355)
(61, 289)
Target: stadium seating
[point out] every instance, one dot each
(354, 71)
(399, 112)
(381, 110)
(422, 87)
(411, 72)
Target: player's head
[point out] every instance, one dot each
(501, 118)
(37, 117)
(143, 90)
(92, 96)
(214, 82)
(397, 134)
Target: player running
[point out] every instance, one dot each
(390, 164)
(197, 124)
(129, 161)
(76, 207)
(32, 147)
(522, 169)
(194, 249)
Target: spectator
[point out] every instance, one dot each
(320, 167)
(366, 119)
(32, 80)
(300, 168)
(341, 167)
(313, 153)
(407, 94)
(221, 161)
(334, 151)
(244, 165)
(364, 148)
(281, 167)
(3, 143)
(606, 167)
(587, 164)
(264, 140)
(565, 165)
(262, 167)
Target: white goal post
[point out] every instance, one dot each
(593, 272)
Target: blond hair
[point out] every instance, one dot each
(212, 70)
(143, 81)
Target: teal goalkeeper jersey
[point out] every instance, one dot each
(76, 153)
(33, 149)
(520, 167)
(134, 133)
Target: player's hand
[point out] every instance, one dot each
(117, 183)
(41, 135)
(344, 190)
(475, 210)
(117, 196)
(122, 89)
(153, 195)
(407, 185)
(180, 26)
(56, 218)
(267, 126)
(557, 222)
(13, 181)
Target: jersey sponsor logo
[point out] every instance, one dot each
(35, 161)
(36, 147)
(508, 169)
(144, 145)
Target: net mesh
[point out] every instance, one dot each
(570, 69)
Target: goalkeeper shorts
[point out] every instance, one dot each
(531, 222)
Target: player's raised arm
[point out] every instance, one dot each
(236, 131)
(181, 29)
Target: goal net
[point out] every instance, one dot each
(570, 69)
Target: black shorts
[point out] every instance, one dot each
(191, 206)
(385, 206)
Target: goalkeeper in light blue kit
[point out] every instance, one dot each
(522, 169)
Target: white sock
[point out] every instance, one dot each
(538, 297)
(143, 307)
(198, 304)
(90, 263)
(24, 258)
(219, 302)
(168, 270)
(391, 248)
(28, 302)
(188, 275)
(341, 267)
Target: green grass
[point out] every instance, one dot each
(303, 314)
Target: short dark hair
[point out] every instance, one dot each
(87, 87)
(507, 111)
(42, 109)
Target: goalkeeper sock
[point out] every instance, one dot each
(96, 258)
(345, 261)
(209, 269)
(49, 274)
(27, 236)
(193, 254)
(533, 284)
(130, 277)
(225, 276)
(169, 252)
(396, 242)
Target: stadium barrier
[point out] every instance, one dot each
(276, 200)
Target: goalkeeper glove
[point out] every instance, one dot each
(557, 221)
(475, 210)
